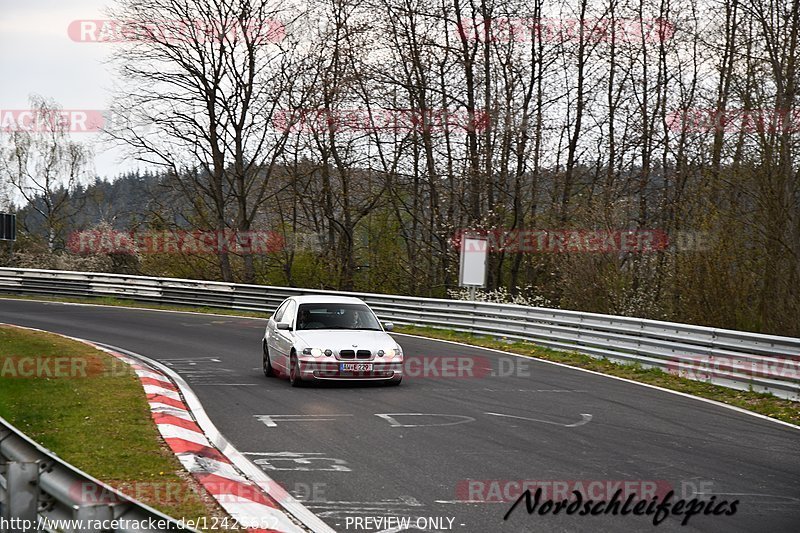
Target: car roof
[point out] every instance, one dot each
(323, 299)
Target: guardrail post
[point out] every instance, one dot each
(86, 514)
(21, 499)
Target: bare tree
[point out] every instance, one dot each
(580, 114)
(207, 78)
(44, 165)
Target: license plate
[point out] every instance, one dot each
(355, 367)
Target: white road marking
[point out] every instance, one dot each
(269, 420)
(486, 389)
(227, 384)
(403, 501)
(390, 417)
(594, 372)
(585, 420)
(300, 462)
(465, 501)
(402, 506)
(203, 370)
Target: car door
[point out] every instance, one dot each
(284, 339)
(271, 333)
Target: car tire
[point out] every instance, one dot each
(395, 383)
(294, 372)
(266, 364)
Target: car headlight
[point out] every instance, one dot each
(316, 352)
(389, 352)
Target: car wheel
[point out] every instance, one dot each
(395, 383)
(266, 364)
(294, 371)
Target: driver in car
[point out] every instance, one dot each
(303, 319)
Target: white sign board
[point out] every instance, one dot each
(472, 272)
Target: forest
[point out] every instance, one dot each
(365, 136)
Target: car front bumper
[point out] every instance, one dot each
(311, 370)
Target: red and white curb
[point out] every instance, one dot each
(245, 491)
(240, 497)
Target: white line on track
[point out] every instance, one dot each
(270, 420)
(585, 420)
(578, 369)
(390, 417)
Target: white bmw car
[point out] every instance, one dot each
(311, 338)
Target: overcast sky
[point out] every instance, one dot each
(38, 56)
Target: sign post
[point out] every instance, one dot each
(8, 231)
(472, 270)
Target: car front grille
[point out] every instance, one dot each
(352, 354)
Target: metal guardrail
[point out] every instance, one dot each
(40, 492)
(736, 359)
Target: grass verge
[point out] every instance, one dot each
(765, 404)
(90, 409)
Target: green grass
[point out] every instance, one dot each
(94, 415)
(765, 404)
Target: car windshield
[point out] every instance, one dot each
(336, 316)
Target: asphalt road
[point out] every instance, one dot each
(358, 451)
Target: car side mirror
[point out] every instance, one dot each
(388, 326)
(284, 325)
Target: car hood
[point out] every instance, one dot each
(345, 339)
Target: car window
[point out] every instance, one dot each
(336, 316)
(288, 313)
(279, 313)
